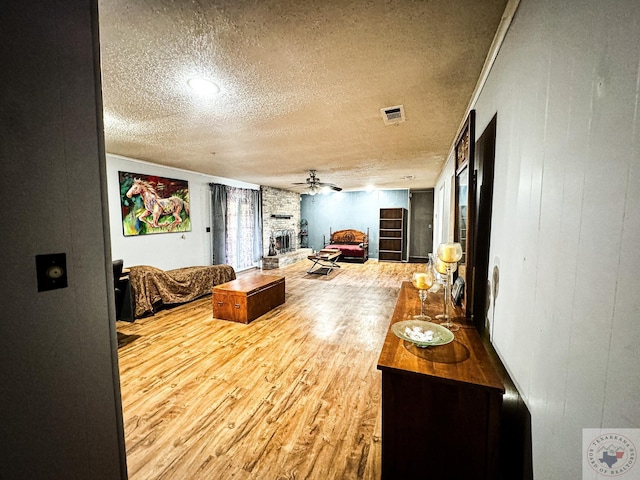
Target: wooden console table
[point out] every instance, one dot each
(440, 405)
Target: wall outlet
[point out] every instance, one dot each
(52, 271)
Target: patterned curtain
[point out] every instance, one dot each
(242, 230)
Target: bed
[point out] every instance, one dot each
(152, 287)
(353, 244)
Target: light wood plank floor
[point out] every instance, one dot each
(294, 394)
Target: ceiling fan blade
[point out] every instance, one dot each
(330, 185)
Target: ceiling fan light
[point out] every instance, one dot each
(313, 189)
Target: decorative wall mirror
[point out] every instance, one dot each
(464, 192)
(462, 204)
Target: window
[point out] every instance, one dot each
(237, 226)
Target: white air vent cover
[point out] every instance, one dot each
(393, 115)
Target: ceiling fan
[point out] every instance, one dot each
(314, 185)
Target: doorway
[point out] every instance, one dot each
(420, 225)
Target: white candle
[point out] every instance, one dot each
(441, 267)
(450, 252)
(422, 281)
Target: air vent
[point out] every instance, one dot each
(393, 115)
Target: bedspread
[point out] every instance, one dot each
(349, 250)
(152, 286)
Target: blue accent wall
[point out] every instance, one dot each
(340, 210)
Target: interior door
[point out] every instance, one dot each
(420, 225)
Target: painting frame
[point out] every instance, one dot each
(151, 204)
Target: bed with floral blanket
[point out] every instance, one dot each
(153, 287)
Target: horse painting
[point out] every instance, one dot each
(155, 206)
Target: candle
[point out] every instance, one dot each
(422, 281)
(441, 266)
(450, 252)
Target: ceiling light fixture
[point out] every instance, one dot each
(203, 86)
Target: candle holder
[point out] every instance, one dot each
(440, 272)
(422, 281)
(448, 256)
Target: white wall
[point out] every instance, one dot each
(442, 214)
(566, 219)
(359, 210)
(59, 394)
(164, 250)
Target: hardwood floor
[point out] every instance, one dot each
(295, 394)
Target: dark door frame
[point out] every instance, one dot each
(484, 171)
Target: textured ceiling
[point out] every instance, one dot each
(302, 84)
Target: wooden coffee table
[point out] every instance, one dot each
(324, 261)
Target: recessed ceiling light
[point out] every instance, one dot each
(203, 86)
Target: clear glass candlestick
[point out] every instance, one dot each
(422, 281)
(447, 315)
(449, 254)
(440, 269)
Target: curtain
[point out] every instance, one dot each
(257, 228)
(237, 226)
(219, 223)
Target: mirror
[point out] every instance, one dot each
(464, 201)
(462, 196)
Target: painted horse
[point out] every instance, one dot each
(156, 206)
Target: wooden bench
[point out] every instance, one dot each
(248, 297)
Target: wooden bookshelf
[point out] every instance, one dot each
(392, 245)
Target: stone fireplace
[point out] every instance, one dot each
(280, 228)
